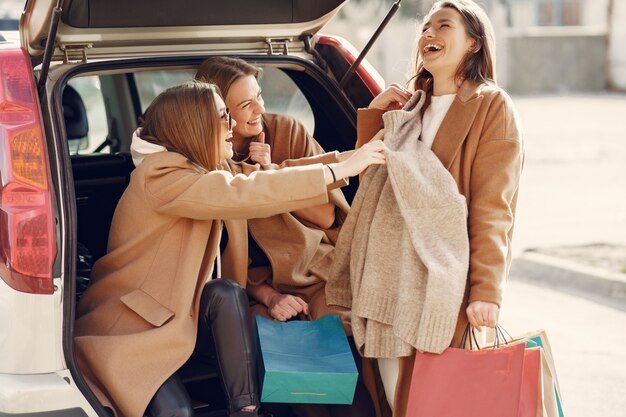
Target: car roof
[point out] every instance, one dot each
(123, 28)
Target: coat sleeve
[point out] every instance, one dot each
(494, 185)
(369, 122)
(184, 192)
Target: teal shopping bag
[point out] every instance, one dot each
(306, 362)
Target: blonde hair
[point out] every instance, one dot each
(224, 71)
(478, 66)
(185, 119)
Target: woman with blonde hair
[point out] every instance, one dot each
(465, 133)
(152, 300)
(291, 284)
(289, 255)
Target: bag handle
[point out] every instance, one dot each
(469, 334)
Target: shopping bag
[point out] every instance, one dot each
(306, 362)
(551, 399)
(459, 382)
(531, 391)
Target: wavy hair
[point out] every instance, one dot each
(224, 71)
(479, 65)
(185, 119)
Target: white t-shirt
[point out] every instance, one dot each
(433, 116)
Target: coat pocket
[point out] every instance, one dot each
(147, 307)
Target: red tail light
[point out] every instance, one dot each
(27, 222)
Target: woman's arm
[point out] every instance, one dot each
(173, 187)
(322, 216)
(494, 184)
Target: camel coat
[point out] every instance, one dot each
(300, 253)
(480, 144)
(137, 323)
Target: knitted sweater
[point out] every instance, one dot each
(402, 256)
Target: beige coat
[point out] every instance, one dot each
(300, 254)
(137, 323)
(480, 144)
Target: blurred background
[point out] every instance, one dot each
(564, 63)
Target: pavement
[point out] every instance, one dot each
(573, 194)
(572, 191)
(595, 284)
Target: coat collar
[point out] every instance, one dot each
(457, 122)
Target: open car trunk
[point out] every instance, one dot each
(112, 43)
(122, 28)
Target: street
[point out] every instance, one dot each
(573, 188)
(573, 192)
(588, 342)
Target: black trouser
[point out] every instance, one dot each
(226, 330)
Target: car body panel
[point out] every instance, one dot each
(38, 371)
(50, 394)
(171, 37)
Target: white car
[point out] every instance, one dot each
(70, 95)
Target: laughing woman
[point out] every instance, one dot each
(151, 299)
(469, 124)
(291, 253)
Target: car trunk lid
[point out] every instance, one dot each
(105, 29)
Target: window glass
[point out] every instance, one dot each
(152, 83)
(280, 93)
(90, 91)
(282, 96)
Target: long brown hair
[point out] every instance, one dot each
(185, 119)
(479, 65)
(224, 71)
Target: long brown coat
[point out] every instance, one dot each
(136, 324)
(300, 254)
(480, 144)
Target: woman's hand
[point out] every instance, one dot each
(393, 98)
(482, 313)
(260, 151)
(371, 153)
(282, 307)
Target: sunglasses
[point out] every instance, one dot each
(228, 119)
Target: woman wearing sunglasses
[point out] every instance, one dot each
(152, 300)
(291, 284)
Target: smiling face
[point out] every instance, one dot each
(246, 106)
(444, 43)
(226, 134)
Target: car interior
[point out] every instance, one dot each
(101, 106)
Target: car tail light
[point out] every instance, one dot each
(27, 222)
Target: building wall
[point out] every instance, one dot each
(547, 60)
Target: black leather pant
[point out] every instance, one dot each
(226, 330)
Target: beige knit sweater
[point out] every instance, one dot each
(402, 256)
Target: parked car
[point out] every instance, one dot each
(66, 117)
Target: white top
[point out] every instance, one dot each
(433, 116)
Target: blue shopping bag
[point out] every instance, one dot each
(306, 362)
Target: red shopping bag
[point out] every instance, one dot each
(530, 402)
(467, 383)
